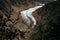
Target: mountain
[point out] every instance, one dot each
(12, 26)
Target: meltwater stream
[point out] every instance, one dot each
(27, 15)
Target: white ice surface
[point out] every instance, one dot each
(27, 14)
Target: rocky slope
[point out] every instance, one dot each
(12, 26)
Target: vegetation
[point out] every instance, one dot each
(49, 29)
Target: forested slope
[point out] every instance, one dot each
(13, 28)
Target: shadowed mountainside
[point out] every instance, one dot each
(13, 28)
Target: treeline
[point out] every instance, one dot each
(49, 29)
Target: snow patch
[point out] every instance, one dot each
(27, 15)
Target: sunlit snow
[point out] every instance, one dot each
(27, 15)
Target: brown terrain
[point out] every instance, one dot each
(11, 18)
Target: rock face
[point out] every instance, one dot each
(12, 26)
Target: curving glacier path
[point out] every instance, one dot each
(27, 15)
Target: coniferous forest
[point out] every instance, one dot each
(12, 26)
